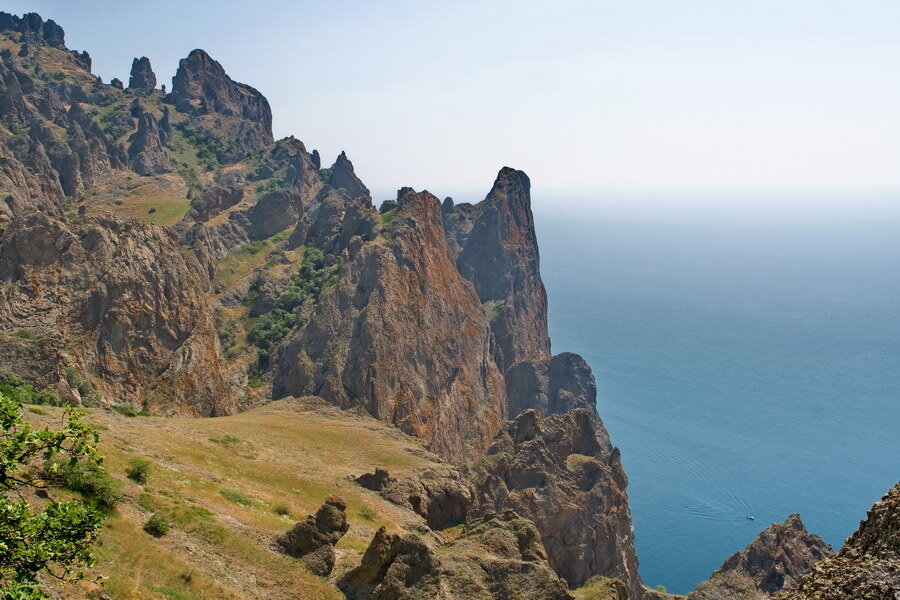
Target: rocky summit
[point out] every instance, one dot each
(867, 567)
(777, 559)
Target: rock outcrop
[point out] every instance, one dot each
(441, 496)
(779, 556)
(231, 114)
(344, 179)
(867, 567)
(562, 473)
(404, 335)
(142, 78)
(117, 301)
(496, 249)
(313, 539)
(499, 557)
(552, 386)
(146, 150)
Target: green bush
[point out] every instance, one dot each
(89, 479)
(138, 470)
(52, 537)
(282, 509)
(157, 525)
(236, 497)
(367, 513)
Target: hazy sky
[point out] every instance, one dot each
(581, 95)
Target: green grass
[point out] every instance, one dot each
(236, 497)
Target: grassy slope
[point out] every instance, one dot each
(219, 481)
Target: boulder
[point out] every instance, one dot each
(314, 538)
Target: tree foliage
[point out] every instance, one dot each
(35, 535)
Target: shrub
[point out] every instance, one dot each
(226, 439)
(53, 537)
(157, 525)
(236, 497)
(138, 470)
(282, 509)
(367, 513)
(89, 479)
(151, 210)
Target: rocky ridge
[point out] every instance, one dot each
(777, 559)
(867, 567)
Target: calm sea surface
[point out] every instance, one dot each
(747, 361)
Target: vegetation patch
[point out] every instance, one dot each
(236, 497)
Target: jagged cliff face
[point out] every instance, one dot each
(402, 334)
(495, 247)
(562, 473)
(867, 567)
(117, 302)
(777, 559)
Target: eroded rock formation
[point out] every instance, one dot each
(142, 78)
(499, 557)
(562, 473)
(779, 556)
(867, 567)
(233, 114)
(118, 301)
(402, 334)
(314, 538)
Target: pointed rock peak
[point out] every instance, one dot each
(344, 179)
(142, 75)
(316, 159)
(511, 180)
(447, 205)
(778, 558)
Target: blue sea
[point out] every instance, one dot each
(747, 355)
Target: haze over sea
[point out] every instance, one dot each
(747, 355)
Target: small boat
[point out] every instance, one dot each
(751, 517)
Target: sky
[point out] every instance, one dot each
(690, 95)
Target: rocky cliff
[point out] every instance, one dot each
(777, 559)
(562, 473)
(402, 334)
(116, 302)
(164, 251)
(867, 567)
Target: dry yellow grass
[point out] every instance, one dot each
(219, 481)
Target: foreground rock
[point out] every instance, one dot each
(314, 538)
(867, 567)
(561, 472)
(498, 557)
(779, 556)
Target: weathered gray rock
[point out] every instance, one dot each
(314, 538)
(500, 557)
(440, 495)
(552, 386)
(118, 301)
(142, 78)
(495, 248)
(146, 151)
(402, 333)
(234, 114)
(562, 473)
(344, 179)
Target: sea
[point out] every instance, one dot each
(747, 356)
